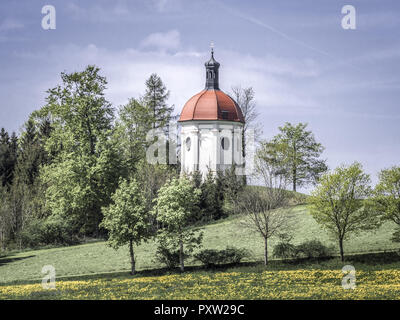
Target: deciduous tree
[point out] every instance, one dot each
(296, 151)
(177, 201)
(126, 218)
(339, 203)
(386, 196)
(87, 166)
(263, 205)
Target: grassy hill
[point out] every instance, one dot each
(96, 258)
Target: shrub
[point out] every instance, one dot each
(313, 249)
(396, 236)
(284, 250)
(212, 257)
(52, 230)
(233, 255)
(167, 257)
(167, 254)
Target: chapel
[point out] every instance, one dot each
(211, 127)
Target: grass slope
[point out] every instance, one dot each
(96, 258)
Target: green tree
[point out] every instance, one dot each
(386, 196)
(155, 98)
(8, 157)
(80, 113)
(176, 203)
(135, 121)
(126, 219)
(77, 187)
(228, 185)
(87, 164)
(31, 154)
(297, 152)
(26, 192)
(6, 219)
(151, 178)
(340, 203)
(210, 202)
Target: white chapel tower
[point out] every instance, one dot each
(212, 124)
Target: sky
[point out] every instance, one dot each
(302, 64)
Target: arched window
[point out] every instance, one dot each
(188, 143)
(225, 143)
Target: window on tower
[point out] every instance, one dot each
(188, 143)
(225, 143)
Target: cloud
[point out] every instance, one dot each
(286, 89)
(10, 24)
(275, 80)
(169, 40)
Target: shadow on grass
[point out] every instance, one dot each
(368, 259)
(8, 259)
(375, 258)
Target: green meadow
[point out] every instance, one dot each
(96, 258)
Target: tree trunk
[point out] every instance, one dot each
(341, 249)
(265, 251)
(181, 256)
(294, 178)
(131, 253)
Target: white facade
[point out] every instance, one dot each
(213, 144)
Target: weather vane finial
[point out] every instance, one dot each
(212, 48)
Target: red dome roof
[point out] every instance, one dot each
(211, 104)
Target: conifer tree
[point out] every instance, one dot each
(155, 98)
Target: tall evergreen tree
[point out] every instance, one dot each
(8, 157)
(29, 154)
(155, 98)
(210, 202)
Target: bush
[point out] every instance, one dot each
(53, 230)
(167, 257)
(313, 249)
(211, 257)
(167, 254)
(284, 250)
(396, 235)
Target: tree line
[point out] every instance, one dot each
(73, 153)
(79, 170)
(342, 201)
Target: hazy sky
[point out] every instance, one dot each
(303, 66)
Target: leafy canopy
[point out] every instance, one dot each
(177, 201)
(297, 152)
(126, 218)
(339, 202)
